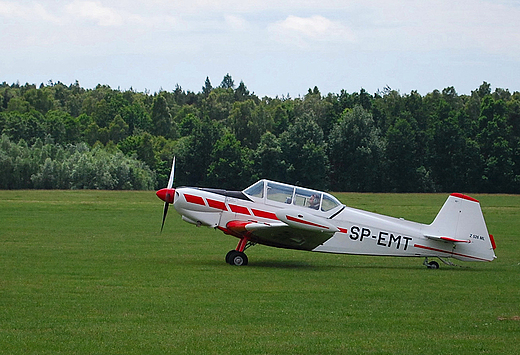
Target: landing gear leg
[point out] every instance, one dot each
(431, 264)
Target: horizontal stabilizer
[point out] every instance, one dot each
(448, 239)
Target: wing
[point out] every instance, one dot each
(294, 230)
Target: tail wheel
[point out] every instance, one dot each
(433, 265)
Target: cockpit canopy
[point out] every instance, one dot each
(272, 191)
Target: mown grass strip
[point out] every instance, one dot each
(88, 272)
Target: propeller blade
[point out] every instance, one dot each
(172, 174)
(166, 204)
(164, 194)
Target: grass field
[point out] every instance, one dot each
(87, 272)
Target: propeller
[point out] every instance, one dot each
(172, 174)
(166, 204)
(167, 194)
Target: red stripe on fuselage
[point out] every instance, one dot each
(305, 222)
(194, 199)
(217, 204)
(264, 214)
(239, 209)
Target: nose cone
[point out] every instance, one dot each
(166, 195)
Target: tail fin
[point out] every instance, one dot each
(460, 221)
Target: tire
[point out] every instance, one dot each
(229, 255)
(433, 265)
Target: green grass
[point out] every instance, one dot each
(87, 272)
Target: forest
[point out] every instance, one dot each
(55, 136)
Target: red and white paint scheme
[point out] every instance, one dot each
(285, 216)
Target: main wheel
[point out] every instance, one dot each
(229, 255)
(433, 265)
(237, 258)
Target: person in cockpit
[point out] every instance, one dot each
(314, 201)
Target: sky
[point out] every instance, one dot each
(275, 47)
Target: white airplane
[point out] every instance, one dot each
(285, 216)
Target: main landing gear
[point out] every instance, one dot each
(431, 264)
(237, 256)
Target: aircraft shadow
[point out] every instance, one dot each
(316, 267)
(283, 264)
(302, 265)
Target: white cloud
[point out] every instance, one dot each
(236, 23)
(95, 11)
(269, 33)
(303, 31)
(252, 6)
(375, 25)
(33, 11)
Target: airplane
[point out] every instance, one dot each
(285, 216)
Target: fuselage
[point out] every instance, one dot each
(292, 217)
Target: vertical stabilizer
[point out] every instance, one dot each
(460, 221)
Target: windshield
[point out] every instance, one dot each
(329, 202)
(256, 190)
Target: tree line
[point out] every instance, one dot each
(59, 136)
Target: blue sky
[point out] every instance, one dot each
(275, 47)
